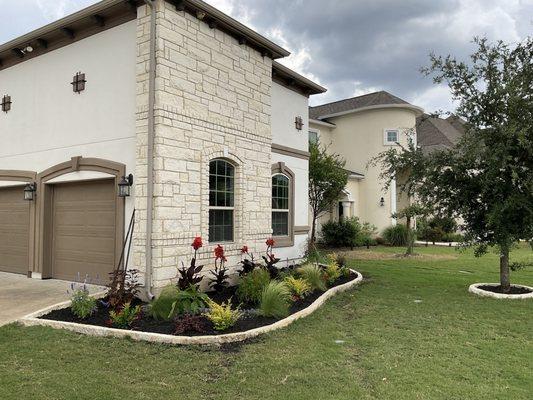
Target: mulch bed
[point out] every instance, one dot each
(147, 324)
(498, 289)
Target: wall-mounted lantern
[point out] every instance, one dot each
(29, 191)
(6, 103)
(382, 202)
(299, 123)
(124, 186)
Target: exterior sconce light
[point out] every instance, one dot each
(299, 123)
(382, 202)
(78, 82)
(29, 191)
(6, 103)
(124, 186)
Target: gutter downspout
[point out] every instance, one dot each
(150, 154)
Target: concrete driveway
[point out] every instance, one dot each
(20, 296)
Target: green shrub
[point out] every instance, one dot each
(222, 316)
(189, 301)
(341, 233)
(83, 305)
(314, 275)
(275, 300)
(332, 272)
(126, 316)
(298, 287)
(396, 235)
(452, 237)
(366, 235)
(161, 307)
(251, 286)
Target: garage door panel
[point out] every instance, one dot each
(84, 233)
(14, 230)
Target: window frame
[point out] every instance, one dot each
(283, 210)
(314, 130)
(386, 141)
(222, 208)
(281, 169)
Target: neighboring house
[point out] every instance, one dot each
(209, 126)
(434, 133)
(358, 129)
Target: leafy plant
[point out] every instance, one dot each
(222, 316)
(270, 259)
(161, 307)
(82, 304)
(332, 271)
(275, 300)
(248, 264)
(125, 316)
(251, 286)
(189, 301)
(124, 287)
(190, 276)
(298, 287)
(220, 273)
(313, 274)
(189, 323)
(396, 235)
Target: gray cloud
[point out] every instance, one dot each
(349, 46)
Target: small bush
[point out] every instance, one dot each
(342, 233)
(453, 237)
(332, 271)
(366, 235)
(83, 305)
(161, 307)
(313, 275)
(380, 241)
(222, 316)
(396, 235)
(189, 301)
(298, 287)
(126, 316)
(251, 285)
(275, 300)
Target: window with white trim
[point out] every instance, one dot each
(221, 201)
(313, 136)
(391, 136)
(280, 205)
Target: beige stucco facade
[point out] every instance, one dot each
(357, 137)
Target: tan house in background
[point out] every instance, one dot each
(358, 129)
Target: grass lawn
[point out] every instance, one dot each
(447, 345)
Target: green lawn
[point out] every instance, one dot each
(451, 345)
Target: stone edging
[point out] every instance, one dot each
(474, 288)
(32, 320)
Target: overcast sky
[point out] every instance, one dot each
(351, 47)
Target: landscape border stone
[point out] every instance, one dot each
(475, 289)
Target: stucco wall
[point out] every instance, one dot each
(48, 123)
(212, 101)
(357, 138)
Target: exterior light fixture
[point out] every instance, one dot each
(382, 202)
(29, 191)
(124, 186)
(27, 49)
(78, 82)
(6, 103)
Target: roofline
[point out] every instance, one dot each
(309, 85)
(417, 110)
(234, 26)
(322, 123)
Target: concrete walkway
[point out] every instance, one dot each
(20, 296)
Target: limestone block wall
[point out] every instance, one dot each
(212, 101)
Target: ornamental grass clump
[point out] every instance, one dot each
(251, 286)
(222, 315)
(314, 275)
(275, 300)
(298, 287)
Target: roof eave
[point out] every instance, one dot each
(296, 79)
(417, 110)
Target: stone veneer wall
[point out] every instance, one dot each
(212, 100)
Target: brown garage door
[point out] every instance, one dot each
(14, 230)
(83, 238)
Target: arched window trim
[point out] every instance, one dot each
(232, 208)
(281, 169)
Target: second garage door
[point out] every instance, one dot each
(84, 231)
(14, 230)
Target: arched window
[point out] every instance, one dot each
(221, 201)
(280, 205)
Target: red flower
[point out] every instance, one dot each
(219, 253)
(270, 242)
(244, 250)
(197, 243)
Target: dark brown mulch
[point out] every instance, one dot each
(498, 289)
(147, 324)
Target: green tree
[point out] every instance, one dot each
(327, 179)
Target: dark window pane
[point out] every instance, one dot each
(280, 192)
(220, 225)
(280, 223)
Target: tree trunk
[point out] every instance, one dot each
(312, 239)
(505, 279)
(410, 237)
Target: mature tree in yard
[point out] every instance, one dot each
(487, 178)
(327, 179)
